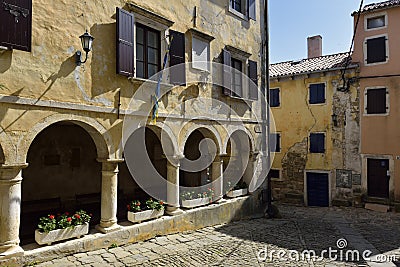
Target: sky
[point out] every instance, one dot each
(292, 21)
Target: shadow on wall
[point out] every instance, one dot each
(5, 61)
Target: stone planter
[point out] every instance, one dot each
(237, 193)
(61, 234)
(197, 202)
(144, 215)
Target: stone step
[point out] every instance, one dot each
(377, 207)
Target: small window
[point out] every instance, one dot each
(148, 51)
(237, 72)
(275, 142)
(317, 143)
(376, 50)
(376, 101)
(274, 174)
(317, 93)
(274, 100)
(238, 5)
(376, 22)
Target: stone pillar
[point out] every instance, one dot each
(217, 172)
(173, 189)
(10, 210)
(109, 198)
(250, 170)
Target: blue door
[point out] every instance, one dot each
(318, 189)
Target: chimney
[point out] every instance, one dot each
(314, 44)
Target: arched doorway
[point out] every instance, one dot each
(128, 187)
(63, 175)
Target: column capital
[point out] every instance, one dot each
(10, 173)
(116, 161)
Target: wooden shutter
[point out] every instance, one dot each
(177, 58)
(125, 42)
(252, 9)
(227, 72)
(253, 86)
(317, 143)
(317, 93)
(16, 24)
(376, 101)
(274, 98)
(376, 50)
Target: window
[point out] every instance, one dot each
(148, 51)
(245, 9)
(317, 93)
(376, 22)
(236, 77)
(16, 24)
(376, 101)
(274, 100)
(200, 54)
(317, 143)
(274, 174)
(376, 50)
(275, 142)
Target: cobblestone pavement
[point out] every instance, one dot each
(239, 243)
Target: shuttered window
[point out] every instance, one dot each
(274, 100)
(177, 58)
(16, 24)
(253, 75)
(275, 142)
(376, 50)
(148, 51)
(317, 143)
(237, 77)
(376, 101)
(237, 5)
(125, 41)
(227, 74)
(317, 93)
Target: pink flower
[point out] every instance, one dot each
(69, 219)
(51, 217)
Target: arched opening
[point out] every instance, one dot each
(237, 170)
(63, 175)
(128, 187)
(196, 169)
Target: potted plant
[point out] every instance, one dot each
(191, 199)
(138, 212)
(240, 189)
(64, 226)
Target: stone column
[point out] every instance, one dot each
(109, 198)
(10, 210)
(173, 189)
(217, 172)
(250, 170)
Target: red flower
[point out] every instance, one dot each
(77, 216)
(137, 203)
(69, 219)
(67, 213)
(129, 207)
(51, 217)
(162, 203)
(91, 214)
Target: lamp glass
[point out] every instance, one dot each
(87, 41)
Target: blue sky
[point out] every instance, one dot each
(292, 21)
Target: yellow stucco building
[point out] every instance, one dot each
(316, 114)
(66, 127)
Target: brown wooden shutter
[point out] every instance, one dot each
(227, 72)
(252, 9)
(376, 50)
(177, 58)
(16, 24)
(125, 41)
(253, 86)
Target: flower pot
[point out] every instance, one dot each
(197, 202)
(237, 193)
(144, 215)
(61, 234)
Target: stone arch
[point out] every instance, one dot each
(246, 132)
(99, 134)
(208, 131)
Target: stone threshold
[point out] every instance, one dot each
(240, 208)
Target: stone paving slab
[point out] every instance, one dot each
(240, 243)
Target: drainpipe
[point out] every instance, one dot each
(265, 114)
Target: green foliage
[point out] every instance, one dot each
(113, 245)
(189, 195)
(51, 222)
(47, 224)
(152, 204)
(134, 206)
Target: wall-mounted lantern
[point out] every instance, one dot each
(87, 41)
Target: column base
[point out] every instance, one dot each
(172, 211)
(11, 251)
(108, 229)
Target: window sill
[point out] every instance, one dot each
(376, 63)
(238, 14)
(376, 114)
(142, 80)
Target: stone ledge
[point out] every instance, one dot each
(215, 214)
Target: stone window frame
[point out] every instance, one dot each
(330, 181)
(375, 15)
(387, 101)
(365, 49)
(280, 178)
